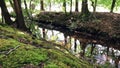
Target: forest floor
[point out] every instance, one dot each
(105, 22)
(19, 49)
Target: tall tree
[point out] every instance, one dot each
(112, 5)
(84, 10)
(5, 12)
(85, 7)
(71, 6)
(64, 6)
(19, 16)
(76, 5)
(42, 5)
(42, 9)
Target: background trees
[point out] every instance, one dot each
(5, 12)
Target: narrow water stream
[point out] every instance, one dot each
(98, 56)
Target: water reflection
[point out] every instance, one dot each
(99, 54)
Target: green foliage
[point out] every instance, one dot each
(33, 28)
(105, 3)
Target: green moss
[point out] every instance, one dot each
(27, 53)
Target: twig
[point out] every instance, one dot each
(12, 50)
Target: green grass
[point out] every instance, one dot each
(28, 53)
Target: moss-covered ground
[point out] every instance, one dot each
(20, 50)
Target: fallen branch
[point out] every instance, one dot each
(12, 50)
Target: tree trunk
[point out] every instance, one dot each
(65, 39)
(64, 6)
(108, 50)
(26, 8)
(30, 4)
(84, 7)
(11, 3)
(70, 6)
(94, 4)
(19, 15)
(75, 45)
(85, 14)
(44, 33)
(5, 12)
(42, 5)
(76, 6)
(113, 5)
(2, 17)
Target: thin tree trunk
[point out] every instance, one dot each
(26, 8)
(75, 45)
(44, 33)
(30, 4)
(65, 39)
(11, 3)
(108, 50)
(76, 6)
(42, 9)
(70, 41)
(64, 6)
(19, 18)
(94, 10)
(5, 12)
(70, 6)
(113, 5)
(42, 5)
(94, 4)
(2, 17)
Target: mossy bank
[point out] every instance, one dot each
(19, 49)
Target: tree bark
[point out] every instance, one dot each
(76, 6)
(42, 5)
(19, 16)
(85, 14)
(5, 12)
(84, 7)
(113, 5)
(70, 6)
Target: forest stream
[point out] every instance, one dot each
(98, 55)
